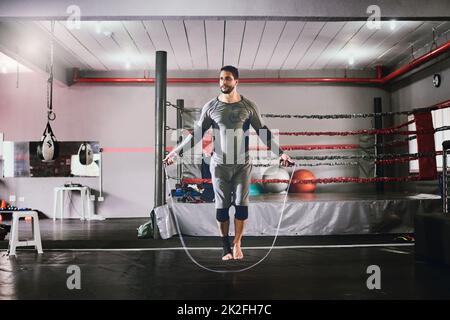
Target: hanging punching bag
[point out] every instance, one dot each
(85, 154)
(48, 149)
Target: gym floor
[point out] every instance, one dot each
(115, 265)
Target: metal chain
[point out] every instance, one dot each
(337, 116)
(366, 157)
(413, 137)
(438, 106)
(351, 163)
(434, 43)
(444, 128)
(50, 114)
(412, 52)
(17, 74)
(397, 142)
(170, 104)
(341, 157)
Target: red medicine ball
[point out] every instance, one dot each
(302, 187)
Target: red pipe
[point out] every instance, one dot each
(416, 62)
(215, 80)
(379, 70)
(378, 80)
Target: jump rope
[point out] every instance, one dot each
(225, 270)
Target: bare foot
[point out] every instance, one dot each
(237, 252)
(228, 256)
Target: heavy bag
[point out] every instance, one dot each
(48, 149)
(85, 154)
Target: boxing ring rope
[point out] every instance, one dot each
(380, 159)
(438, 106)
(318, 180)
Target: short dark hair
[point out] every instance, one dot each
(231, 69)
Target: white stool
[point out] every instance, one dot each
(59, 192)
(14, 236)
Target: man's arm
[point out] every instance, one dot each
(262, 130)
(200, 127)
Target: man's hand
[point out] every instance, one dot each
(286, 161)
(169, 159)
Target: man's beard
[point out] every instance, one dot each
(227, 90)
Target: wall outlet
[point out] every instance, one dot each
(100, 199)
(12, 198)
(21, 199)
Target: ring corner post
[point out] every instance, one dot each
(160, 118)
(180, 108)
(379, 170)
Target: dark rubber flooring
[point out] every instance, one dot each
(298, 268)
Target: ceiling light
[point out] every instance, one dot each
(100, 30)
(392, 24)
(351, 60)
(8, 64)
(98, 27)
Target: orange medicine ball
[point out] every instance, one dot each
(302, 187)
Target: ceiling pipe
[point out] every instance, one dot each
(379, 79)
(416, 62)
(379, 70)
(215, 80)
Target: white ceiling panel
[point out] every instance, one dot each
(61, 53)
(323, 40)
(290, 34)
(143, 42)
(127, 47)
(234, 35)
(381, 38)
(252, 38)
(177, 34)
(249, 44)
(355, 47)
(422, 37)
(352, 34)
(301, 46)
(88, 36)
(405, 28)
(269, 41)
(214, 43)
(69, 41)
(157, 32)
(197, 40)
(333, 49)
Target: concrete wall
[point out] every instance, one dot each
(122, 116)
(418, 91)
(415, 92)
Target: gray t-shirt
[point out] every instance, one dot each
(231, 123)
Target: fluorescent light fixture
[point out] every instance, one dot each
(392, 24)
(351, 60)
(9, 65)
(98, 27)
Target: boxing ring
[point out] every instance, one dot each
(320, 214)
(370, 211)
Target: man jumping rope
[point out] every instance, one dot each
(230, 167)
